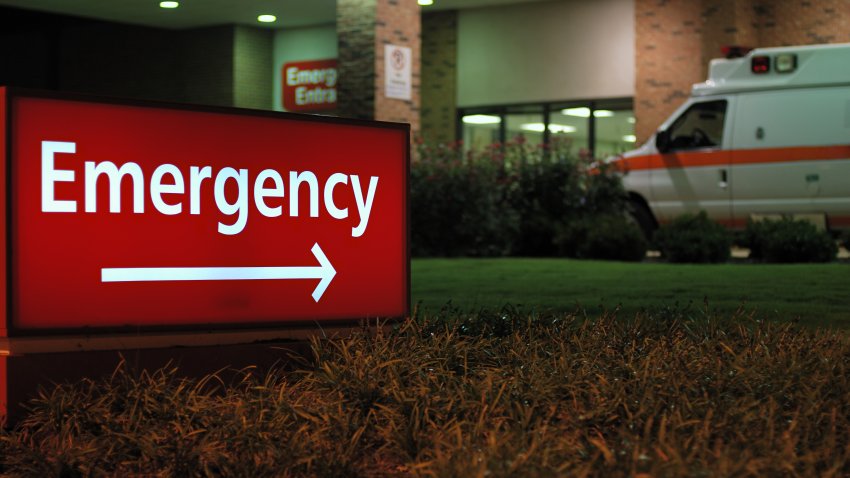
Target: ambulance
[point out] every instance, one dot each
(767, 135)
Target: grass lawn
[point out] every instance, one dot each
(817, 294)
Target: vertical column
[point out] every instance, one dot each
(398, 23)
(355, 27)
(439, 76)
(727, 23)
(252, 62)
(364, 27)
(668, 59)
(801, 22)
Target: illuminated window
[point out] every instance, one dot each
(480, 130)
(599, 128)
(614, 130)
(573, 125)
(525, 124)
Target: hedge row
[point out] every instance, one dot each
(695, 238)
(518, 199)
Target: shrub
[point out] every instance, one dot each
(788, 240)
(605, 236)
(459, 207)
(505, 199)
(693, 238)
(547, 190)
(555, 187)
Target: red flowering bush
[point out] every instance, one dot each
(509, 199)
(460, 205)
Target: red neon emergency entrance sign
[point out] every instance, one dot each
(134, 216)
(310, 85)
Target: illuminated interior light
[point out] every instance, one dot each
(553, 128)
(583, 112)
(580, 112)
(169, 4)
(536, 127)
(482, 119)
(561, 128)
(425, 3)
(631, 120)
(267, 18)
(630, 138)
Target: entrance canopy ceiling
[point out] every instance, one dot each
(200, 13)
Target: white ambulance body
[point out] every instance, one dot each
(766, 134)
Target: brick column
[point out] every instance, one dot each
(801, 22)
(439, 76)
(363, 28)
(726, 22)
(668, 57)
(675, 39)
(355, 28)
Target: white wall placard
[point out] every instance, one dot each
(397, 72)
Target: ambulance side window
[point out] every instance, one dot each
(700, 126)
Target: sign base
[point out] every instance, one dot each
(38, 363)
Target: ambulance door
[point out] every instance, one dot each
(691, 171)
(790, 153)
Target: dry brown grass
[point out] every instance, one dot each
(486, 395)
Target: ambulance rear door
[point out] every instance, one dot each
(791, 153)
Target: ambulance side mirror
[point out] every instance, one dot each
(662, 141)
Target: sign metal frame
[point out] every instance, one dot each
(8, 95)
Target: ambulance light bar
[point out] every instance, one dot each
(782, 63)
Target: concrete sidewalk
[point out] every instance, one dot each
(742, 253)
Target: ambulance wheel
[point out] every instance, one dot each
(642, 216)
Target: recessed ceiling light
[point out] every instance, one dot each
(561, 128)
(537, 127)
(630, 138)
(580, 112)
(425, 3)
(267, 18)
(553, 127)
(481, 119)
(585, 113)
(169, 4)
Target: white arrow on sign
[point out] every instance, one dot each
(323, 271)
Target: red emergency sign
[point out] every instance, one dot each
(134, 216)
(310, 85)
